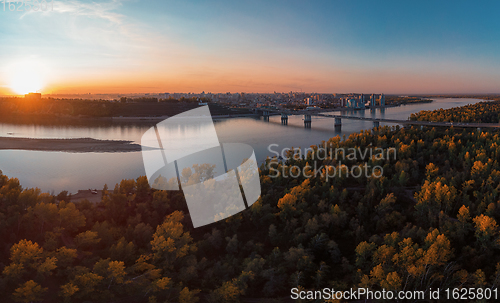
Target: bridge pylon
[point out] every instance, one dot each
(338, 123)
(284, 118)
(265, 114)
(307, 121)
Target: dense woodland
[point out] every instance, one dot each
(396, 100)
(429, 221)
(484, 112)
(50, 107)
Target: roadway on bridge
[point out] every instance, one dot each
(410, 122)
(397, 121)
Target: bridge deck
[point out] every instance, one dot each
(409, 122)
(406, 122)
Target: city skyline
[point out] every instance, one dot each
(325, 47)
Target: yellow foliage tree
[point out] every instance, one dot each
(29, 292)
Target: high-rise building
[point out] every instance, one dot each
(382, 100)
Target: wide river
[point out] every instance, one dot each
(57, 171)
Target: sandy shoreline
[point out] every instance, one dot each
(81, 145)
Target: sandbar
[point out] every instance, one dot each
(80, 145)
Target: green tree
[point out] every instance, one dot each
(188, 296)
(87, 240)
(71, 219)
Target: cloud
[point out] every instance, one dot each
(85, 21)
(93, 9)
(102, 10)
(91, 29)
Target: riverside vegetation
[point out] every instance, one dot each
(430, 221)
(46, 110)
(482, 112)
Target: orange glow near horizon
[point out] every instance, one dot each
(157, 75)
(283, 81)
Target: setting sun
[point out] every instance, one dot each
(26, 77)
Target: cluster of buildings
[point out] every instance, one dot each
(290, 100)
(275, 100)
(359, 101)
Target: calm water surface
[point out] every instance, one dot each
(57, 171)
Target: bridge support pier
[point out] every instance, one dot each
(338, 123)
(284, 119)
(307, 121)
(265, 114)
(376, 123)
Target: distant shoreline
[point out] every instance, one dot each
(161, 118)
(81, 145)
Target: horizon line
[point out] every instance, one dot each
(275, 92)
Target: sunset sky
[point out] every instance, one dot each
(253, 46)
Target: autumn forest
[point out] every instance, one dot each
(429, 221)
